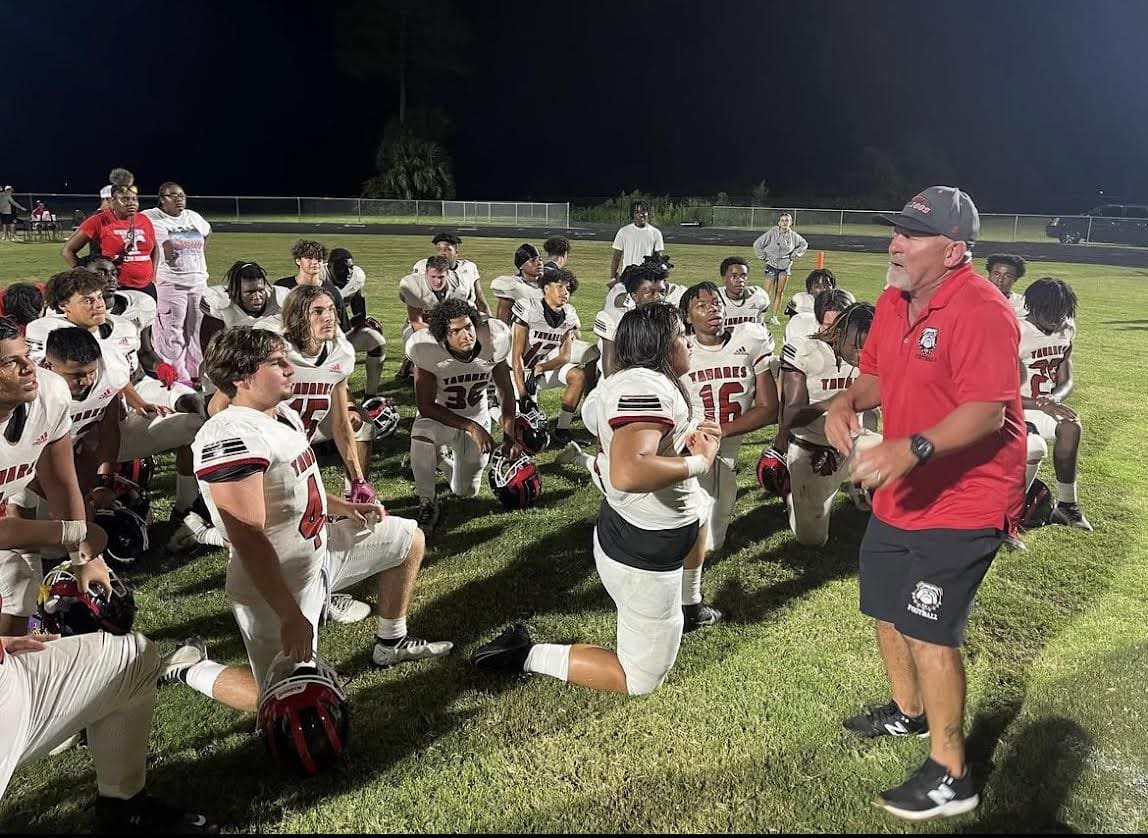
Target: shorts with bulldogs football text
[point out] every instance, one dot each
(924, 581)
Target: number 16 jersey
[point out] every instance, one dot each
(238, 442)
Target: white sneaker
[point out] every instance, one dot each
(571, 455)
(773, 321)
(408, 649)
(72, 741)
(190, 652)
(194, 531)
(344, 608)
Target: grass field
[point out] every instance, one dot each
(745, 735)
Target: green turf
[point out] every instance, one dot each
(745, 733)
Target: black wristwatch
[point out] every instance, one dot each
(922, 449)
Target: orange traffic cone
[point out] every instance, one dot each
(820, 259)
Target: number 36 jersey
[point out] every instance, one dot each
(462, 384)
(1041, 356)
(722, 381)
(238, 442)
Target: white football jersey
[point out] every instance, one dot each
(1041, 356)
(801, 326)
(722, 381)
(112, 376)
(617, 297)
(315, 378)
(642, 395)
(462, 384)
(542, 339)
(823, 379)
(465, 270)
(117, 335)
(606, 326)
(215, 303)
(1017, 302)
(415, 292)
(238, 442)
(749, 309)
(29, 429)
(137, 307)
(802, 303)
(514, 288)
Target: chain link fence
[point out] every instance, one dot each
(70, 209)
(1069, 229)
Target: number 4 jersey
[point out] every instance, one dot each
(462, 384)
(238, 442)
(722, 381)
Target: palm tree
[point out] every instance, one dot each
(411, 167)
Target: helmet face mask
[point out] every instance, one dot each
(530, 431)
(516, 483)
(384, 414)
(127, 533)
(66, 610)
(304, 715)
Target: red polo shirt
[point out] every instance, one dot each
(963, 348)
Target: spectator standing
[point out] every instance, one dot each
(8, 207)
(634, 242)
(777, 247)
(181, 276)
(123, 235)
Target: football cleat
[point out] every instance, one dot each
(304, 715)
(344, 608)
(530, 428)
(1069, 515)
(386, 655)
(515, 483)
(773, 473)
(700, 615)
(886, 720)
(67, 611)
(428, 515)
(507, 652)
(384, 415)
(127, 533)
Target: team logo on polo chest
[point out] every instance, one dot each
(928, 341)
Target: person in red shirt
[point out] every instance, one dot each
(947, 480)
(124, 235)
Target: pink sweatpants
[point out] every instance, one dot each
(176, 332)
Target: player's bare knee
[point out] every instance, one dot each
(417, 550)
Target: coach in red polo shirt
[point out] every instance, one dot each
(949, 479)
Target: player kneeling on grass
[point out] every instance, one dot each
(53, 687)
(1046, 336)
(455, 360)
(543, 337)
(648, 522)
(813, 371)
(262, 484)
(729, 383)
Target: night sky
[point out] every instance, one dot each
(1027, 105)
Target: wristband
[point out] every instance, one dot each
(696, 465)
(73, 532)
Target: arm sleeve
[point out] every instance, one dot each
(407, 295)
(619, 240)
(870, 363)
(759, 246)
(91, 227)
(659, 242)
(519, 314)
(985, 368)
(640, 403)
(500, 335)
(604, 326)
(802, 245)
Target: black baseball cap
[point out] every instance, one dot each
(939, 211)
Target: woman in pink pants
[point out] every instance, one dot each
(181, 276)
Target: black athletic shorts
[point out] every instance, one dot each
(924, 581)
(7, 218)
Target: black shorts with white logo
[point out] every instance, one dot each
(924, 581)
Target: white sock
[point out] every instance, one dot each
(186, 490)
(388, 629)
(565, 417)
(374, 373)
(548, 659)
(202, 676)
(691, 585)
(587, 462)
(1030, 470)
(1066, 492)
(424, 459)
(346, 485)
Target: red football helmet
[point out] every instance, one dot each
(304, 715)
(515, 483)
(139, 471)
(530, 431)
(66, 610)
(773, 473)
(384, 414)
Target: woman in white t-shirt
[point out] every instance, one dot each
(650, 519)
(180, 279)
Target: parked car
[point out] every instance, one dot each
(1109, 223)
